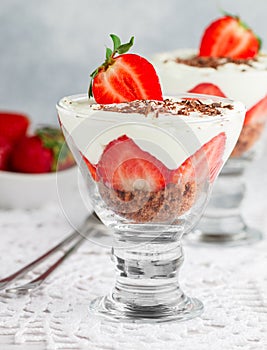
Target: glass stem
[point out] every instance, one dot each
(147, 274)
(147, 286)
(222, 218)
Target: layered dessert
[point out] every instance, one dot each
(146, 158)
(149, 163)
(228, 63)
(151, 160)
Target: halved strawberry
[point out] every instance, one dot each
(257, 113)
(127, 77)
(209, 157)
(208, 89)
(124, 166)
(13, 126)
(229, 37)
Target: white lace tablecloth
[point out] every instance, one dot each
(232, 283)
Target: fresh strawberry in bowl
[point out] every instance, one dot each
(43, 152)
(13, 125)
(33, 166)
(5, 152)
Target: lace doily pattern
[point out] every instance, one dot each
(232, 283)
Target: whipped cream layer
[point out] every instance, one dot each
(170, 131)
(242, 81)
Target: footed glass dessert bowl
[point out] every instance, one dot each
(149, 167)
(223, 221)
(229, 62)
(243, 80)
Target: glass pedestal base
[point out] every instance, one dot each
(214, 231)
(222, 222)
(147, 286)
(106, 307)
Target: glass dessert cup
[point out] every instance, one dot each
(163, 162)
(223, 222)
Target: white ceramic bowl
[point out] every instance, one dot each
(30, 191)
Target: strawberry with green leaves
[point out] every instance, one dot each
(124, 77)
(43, 152)
(229, 37)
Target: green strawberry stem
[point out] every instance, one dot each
(117, 48)
(53, 139)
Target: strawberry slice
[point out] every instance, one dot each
(257, 113)
(207, 89)
(124, 166)
(91, 167)
(13, 126)
(208, 156)
(124, 78)
(138, 174)
(229, 37)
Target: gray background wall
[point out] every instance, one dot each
(49, 47)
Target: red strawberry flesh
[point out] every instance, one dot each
(13, 126)
(229, 37)
(124, 166)
(208, 89)
(91, 167)
(129, 78)
(5, 151)
(257, 113)
(29, 156)
(209, 157)
(124, 78)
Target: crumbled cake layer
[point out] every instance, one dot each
(167, 106)
(210, 62)
(140, 206)
(248, 137)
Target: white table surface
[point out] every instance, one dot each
(232, 283)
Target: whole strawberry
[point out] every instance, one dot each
(5, 151)
(13, 126)
(124, 77)
(229, 37)
(43, 152)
